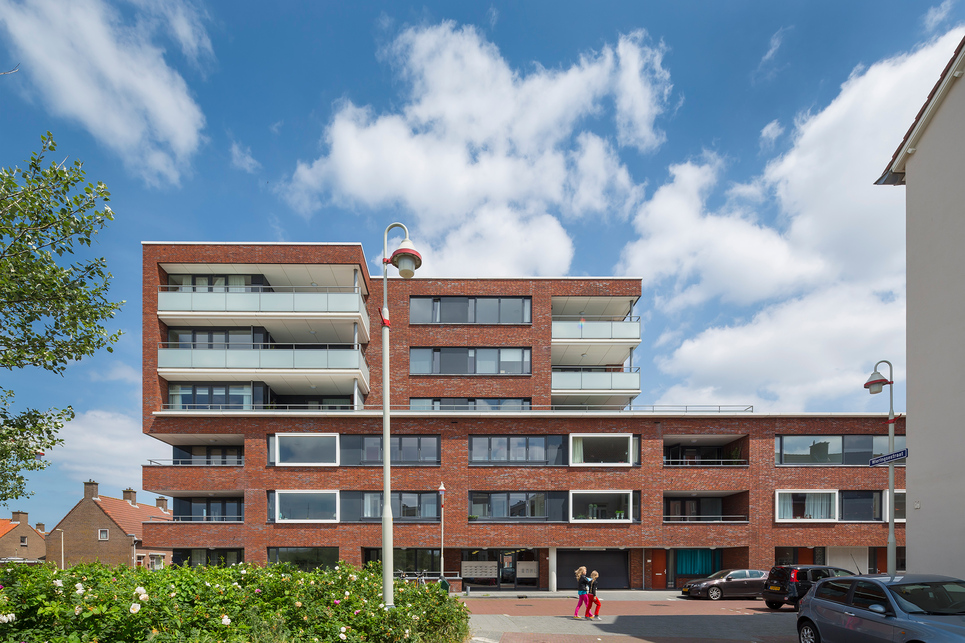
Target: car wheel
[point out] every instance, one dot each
(715, 594)
(807, 633)
(774, 605)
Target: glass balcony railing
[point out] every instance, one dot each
(583, 328)
(260, 356)
(592, 380)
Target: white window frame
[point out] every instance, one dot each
(777, 505)
(103, 534)
(628, 436)
(887, 505)
(627, 519)
(338, 450)
(338, 505)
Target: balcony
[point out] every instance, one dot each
(705, 507)
(706, 451)
(594, 388)
(325, 308)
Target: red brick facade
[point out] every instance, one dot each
(646, 540)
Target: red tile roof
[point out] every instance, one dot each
(6, 525)
(129, 517)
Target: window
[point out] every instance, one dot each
(696, 510)
(403, 449)
(406, 505)
(595, 449)
(806, 505)
(855, 450)
(518, 449)
(23, 541)
(835, 591)
(208, 396)
(860, 506)
(218, 339)
(600, 505)
(217, 283)
(208, 456)
(470, 310)
(207, 557)
(899, 505)
(209, 509)
(469, 404)
(304, 558)
(406, 560)
(867, 594)
(103, 534)
(470, 361)
(304, 506)
(512, 505)
(306, 449)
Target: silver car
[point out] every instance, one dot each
(871, 608)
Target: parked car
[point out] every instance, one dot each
(727, 583)
(878, 607)
(789, 583)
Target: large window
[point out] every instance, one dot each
(857, 506)
(217, 283)
(600, 505)
(218, 338)
(899, 505)
(604, 449)
(469, 403)
(406, 560)
(470, 310)
(403, 449)
(517, 449)
(470, 361)
(406, 505)
(832, 449)
(511, 505)
(303, 506)
(806, 505)
(207, 557)
(304, 558)
(304, 449)
(209, 396)
(209, 509)
(208, 456)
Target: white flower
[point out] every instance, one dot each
(298, 603)
(225, 620)
(79, 586)
(80, 591)
(59, 583)
(135, 608)
(342, 636)
(77, 610)
(244, 571)
(141, 590)
(3, 618)
(342, 629)
(143, 597)
(336, 568)
(346, 592)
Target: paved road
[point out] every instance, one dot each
(627, 617)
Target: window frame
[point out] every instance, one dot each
(420, 462)
(630, 456)
(472, 361)
(508, 462)
(277, 452)
(509, 517)
(397, 517)
(779, 454)
(881, 499)
(626, 519)
(436, 306)
(103, 534)
(777, 506)
(338, 506)
(887, 505)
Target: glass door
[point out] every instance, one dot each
(507, 568)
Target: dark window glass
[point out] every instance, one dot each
(454, 310)
(420, 310)
(860, 505)
(858, 449)
(307, 449)
(511, 311)
(812, 449)
(454, 361)
(319, 505)
(867, 594)
(487, 310)
(833, 590)
(305, 558)
(420, 361)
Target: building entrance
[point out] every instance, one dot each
(500, 568)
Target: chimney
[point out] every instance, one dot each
(19, 516)
(90, 489)
(130, 495)
(162, 504)
(40, 527)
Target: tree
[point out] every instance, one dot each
(53, 304)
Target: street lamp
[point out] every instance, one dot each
(442, 531)
(874, 385)
(61, 547)
(407, 260)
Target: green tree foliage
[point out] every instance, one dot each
(53, 304)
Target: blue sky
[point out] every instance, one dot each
(723, 152)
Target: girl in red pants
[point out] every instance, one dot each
(592, 598)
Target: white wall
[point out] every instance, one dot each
(853, 558)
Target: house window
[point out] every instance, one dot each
(23, 541)
(305, 558)
(203, 397)
(406, 505)
(596, 449)
(899, 505)
(407, 560)
(304, 506)
(470, 361)
(795, 505)
(600, 505)
(209, 509)
(827, 450)
(860, 506)
(470, 310)
(404, 449)
(217, 283)
(306, 449)
(201, 557)
(102, 534)
(469, 403)
(518, 449)
(512, 505)
(157, 561)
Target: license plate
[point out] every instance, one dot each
(685, 590)
(775, 588)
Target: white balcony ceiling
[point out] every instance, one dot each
(684, 440)
(287, 382)
(277, 274)
(606, 400)
(591, 352)
(615, 307)
(285, 328)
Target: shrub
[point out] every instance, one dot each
(242, 603)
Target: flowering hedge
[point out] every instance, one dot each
(241, 603)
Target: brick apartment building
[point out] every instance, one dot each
(262, 372)
(19, 542)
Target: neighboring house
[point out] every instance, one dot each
(929, 163)
(108, 530)
(262, 379)
(19, 542)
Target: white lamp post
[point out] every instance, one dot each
(442, 531)
(407, 260)
(61, 547)
(874, 385)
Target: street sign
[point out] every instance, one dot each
(891, 457)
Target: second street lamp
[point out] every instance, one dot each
(875, 384)
(407, 260)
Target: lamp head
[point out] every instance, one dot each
(876, 383)
(406, 259)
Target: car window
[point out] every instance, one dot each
(842, 572)
(755, 573)
(867, 594)
(833, 590)
(818, 574)
(778, 574)
(740, 573)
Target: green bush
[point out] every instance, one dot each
(238, 604)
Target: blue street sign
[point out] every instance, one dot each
(891, 457)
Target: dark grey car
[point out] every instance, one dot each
(877, 608)
(727, 583)
(789, 583)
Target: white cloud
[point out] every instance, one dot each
(118, 371)
(766, 67)
(105, 446)
(937, 15)
(475, 139)
(492, 15)
(242, 159)
(112, 78)
(771, 132)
